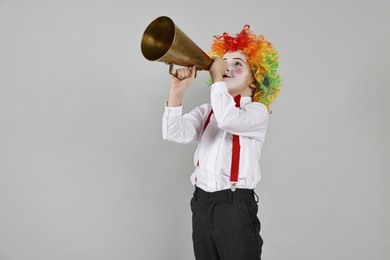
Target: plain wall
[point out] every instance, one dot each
(85, 174)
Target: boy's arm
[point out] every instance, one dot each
(251, 120)
(183, 128)
(177, 127)
(179, 84)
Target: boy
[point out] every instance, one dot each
(230, 133)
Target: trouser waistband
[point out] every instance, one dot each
(225, 195)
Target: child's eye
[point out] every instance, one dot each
(237, 63)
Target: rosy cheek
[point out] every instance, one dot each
(238, 71)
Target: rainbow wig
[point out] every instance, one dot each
(261, 56)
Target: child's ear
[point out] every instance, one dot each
(253, 86)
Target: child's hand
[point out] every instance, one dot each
(179, 84)
(183, 79)
(218, 69)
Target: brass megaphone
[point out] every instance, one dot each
(163, 41)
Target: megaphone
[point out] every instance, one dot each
(163, 41)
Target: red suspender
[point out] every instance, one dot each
(207, 120)
(235, 149)
(205, 125)
(235, 153)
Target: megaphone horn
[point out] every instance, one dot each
(163, 41)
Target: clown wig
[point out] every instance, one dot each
(261, 56)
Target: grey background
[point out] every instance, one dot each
(85, 174)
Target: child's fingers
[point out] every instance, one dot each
(183, 73)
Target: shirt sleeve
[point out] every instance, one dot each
(251, 120)
(181, 128)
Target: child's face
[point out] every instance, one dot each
(238, 77)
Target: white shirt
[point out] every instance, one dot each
(212, 159)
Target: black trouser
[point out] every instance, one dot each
(225, 225)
